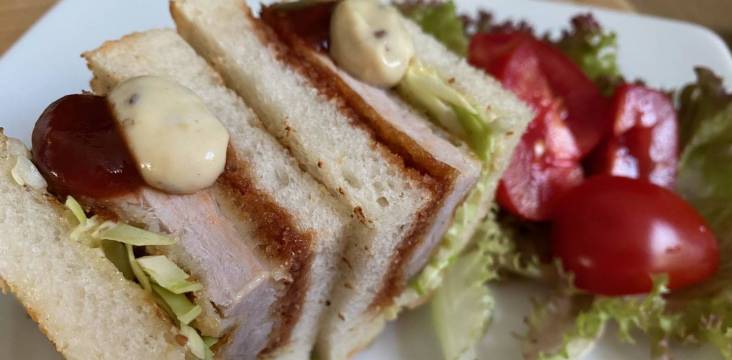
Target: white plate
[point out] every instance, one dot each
(45, 65)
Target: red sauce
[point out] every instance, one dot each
(311, 23)
(79, 150)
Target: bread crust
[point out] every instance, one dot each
(289, 245)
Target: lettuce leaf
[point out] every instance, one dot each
(441, 21)
(549, 321)
(648, 313)
(705, 180)
(594, 50)
(462, 307)
(705, 166)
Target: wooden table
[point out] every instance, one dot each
(17, 15)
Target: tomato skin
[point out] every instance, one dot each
(615, 233)
(644, 142)
(546, 161)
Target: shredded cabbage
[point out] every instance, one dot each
(195, 343)
(76, 209)
(137, 269)
(182, 308)
(167, 274)
(25, 173)
(446, 106)
(170, 282)
(131, 235)
(117, 254)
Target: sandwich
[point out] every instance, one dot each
(413, 144)
(238, 265)
(295, 213)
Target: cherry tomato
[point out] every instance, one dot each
(644, 142)
(614, 234)
(546, 161)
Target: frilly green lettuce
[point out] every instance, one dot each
(547, 324)
(462, 307)
(594, 50)
(705, 180)
(648, 313)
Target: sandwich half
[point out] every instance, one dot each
(258, 248)
(405, 178)
(295, 221)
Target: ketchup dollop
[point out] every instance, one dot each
(79, 150)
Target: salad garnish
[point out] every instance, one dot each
(592, 122)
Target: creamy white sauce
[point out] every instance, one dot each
(368, 39)
(179, 146)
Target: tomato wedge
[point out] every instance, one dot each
(544, 165)
(586, 107)
(614, 234)
(546, 162)
(644, 142)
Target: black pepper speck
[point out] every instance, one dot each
(133, 99)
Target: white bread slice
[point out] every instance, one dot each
(393, 201)
(79, 299)
(298, 218)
